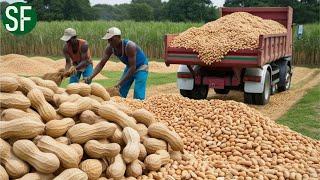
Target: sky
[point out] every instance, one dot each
(218, 3)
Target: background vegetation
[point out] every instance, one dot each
(305, 11)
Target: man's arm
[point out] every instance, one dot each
(67, 57)
(131, 50)
(83, 56)
(106, 55)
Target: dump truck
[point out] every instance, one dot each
(258, 72)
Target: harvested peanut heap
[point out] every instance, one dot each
(47, 132)
(229, 139)
(239, 30)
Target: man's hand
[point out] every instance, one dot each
(72, 70)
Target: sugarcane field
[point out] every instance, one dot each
(164, 90)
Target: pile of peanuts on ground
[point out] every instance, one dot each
(77, 133)
(80, 132)
(231, 140)
(239, 30)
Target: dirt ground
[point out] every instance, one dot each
(303, 79)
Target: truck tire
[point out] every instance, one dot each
(263, 98)
(248, 98)
(198, 92)
(186, 93)
(260, 98)
(285, 78)
(221, 91)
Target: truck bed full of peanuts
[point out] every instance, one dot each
(239, 30)
(163, 137)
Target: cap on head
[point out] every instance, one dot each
(112, 32)
(68, 34)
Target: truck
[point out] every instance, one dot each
(259, 72)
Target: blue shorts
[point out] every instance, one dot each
(86, 73)
(140, 83)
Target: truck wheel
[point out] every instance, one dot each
(287, 80)
(260, 98)
(248, 98)
(199, 92)
(263, 98)
(186, 93)
(221, 91)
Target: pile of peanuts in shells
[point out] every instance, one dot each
(236, 31)
(80, 132)
(228, 139)
(77, 133)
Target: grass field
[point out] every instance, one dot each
(307, 49)
(304, 117)
(44, 40)
(114, 76)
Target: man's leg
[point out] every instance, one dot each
(88, 72)
(75, 78)
(140, 84)
(124, 89)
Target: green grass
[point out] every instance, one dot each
(114, 76)
(304, 116)
(44, 39)
(112, 58)
(307, 49)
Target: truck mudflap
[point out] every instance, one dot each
(254, 86)
(185, 79)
